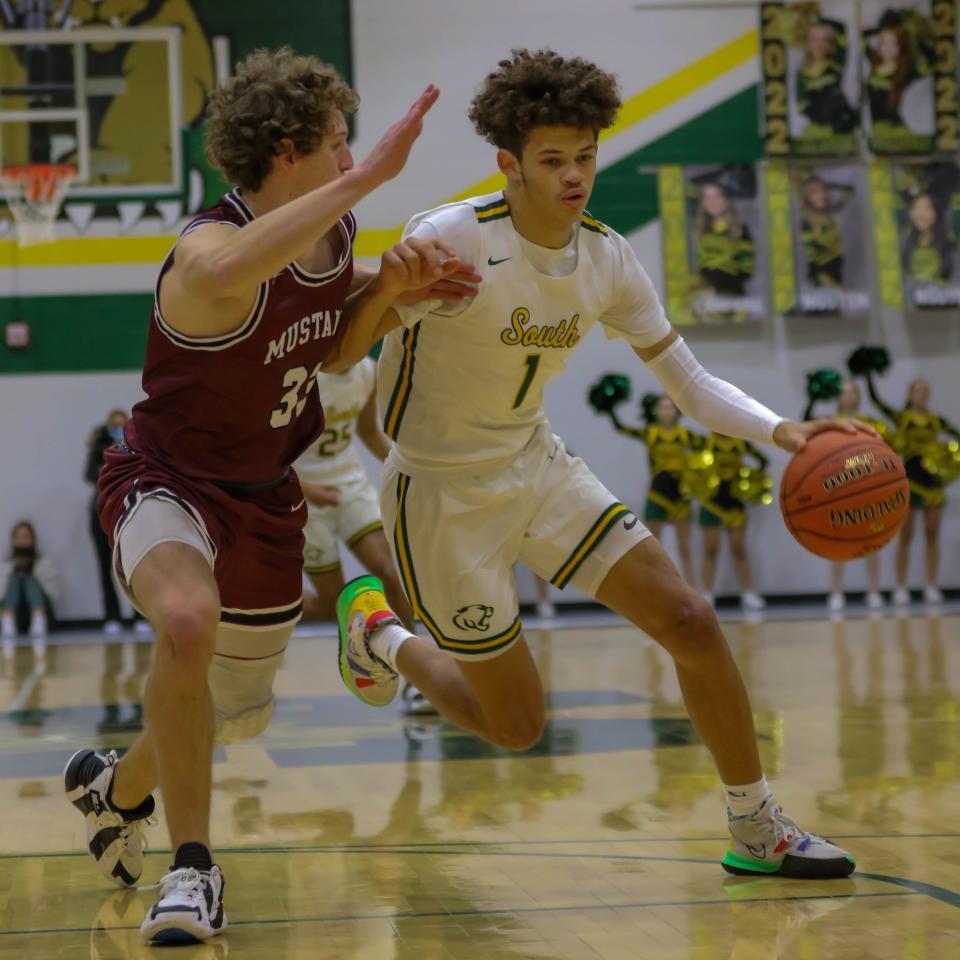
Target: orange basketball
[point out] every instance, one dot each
(844, 496)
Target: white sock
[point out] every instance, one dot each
(38, 624)
(745, 799)
(386, 642)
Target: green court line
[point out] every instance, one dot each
(943, 894)
(493, 911)
(406, 852)
(429, 844)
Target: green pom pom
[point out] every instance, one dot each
(609, 391)
(824, 384)
(648, 406)
(865, 360)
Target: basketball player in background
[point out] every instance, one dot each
(476, 479)
(203, 510)
(342, 505)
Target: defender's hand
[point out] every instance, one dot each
(388, 157)
(461, 285)
(793, 437)
(417, 263)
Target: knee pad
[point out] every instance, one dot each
(241, 676)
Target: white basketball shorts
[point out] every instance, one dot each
(455, 540)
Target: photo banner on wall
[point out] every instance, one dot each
(817, 219)
(928, 217)
(909, 70)
(811, 88)
(714, 268)
(917, 217)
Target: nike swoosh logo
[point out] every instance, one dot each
(491, 262)
(630, 523)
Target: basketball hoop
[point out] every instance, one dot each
(34, 192)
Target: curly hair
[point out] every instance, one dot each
(275, 94)
(542, 89)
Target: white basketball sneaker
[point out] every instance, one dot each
(115, 838)
(752, 601)
(933, 595)
(361, 609)
(901, 597)
(190, 908)
(874, 600)
(769, 843)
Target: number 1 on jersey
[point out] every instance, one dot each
(532, 362)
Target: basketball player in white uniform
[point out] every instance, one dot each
(343, 506)
(477, 479)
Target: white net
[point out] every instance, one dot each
(34, 193)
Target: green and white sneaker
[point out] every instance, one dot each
(361, 609)
(769, 843)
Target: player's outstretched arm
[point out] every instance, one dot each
(222, 267)
(460, 286)
(725, 408)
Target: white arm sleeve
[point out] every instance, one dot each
(457, 224)
(716, 404)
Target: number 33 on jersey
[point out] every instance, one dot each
(255, 385)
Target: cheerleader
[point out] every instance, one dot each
(668, 445)
(723, 509)
(917, 439)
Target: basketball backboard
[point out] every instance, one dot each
(106, 100)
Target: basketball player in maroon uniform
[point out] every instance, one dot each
(199, 499)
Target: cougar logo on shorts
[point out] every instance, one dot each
(474, 617)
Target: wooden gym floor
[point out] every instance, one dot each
(350, 833)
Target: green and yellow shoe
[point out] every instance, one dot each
(361, 609)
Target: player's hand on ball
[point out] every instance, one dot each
(421, 262)
(793, 437)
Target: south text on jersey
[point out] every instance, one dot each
(522, 332)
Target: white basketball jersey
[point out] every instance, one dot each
(334, 456)
(461, 389)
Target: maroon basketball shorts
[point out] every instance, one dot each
(252, 538)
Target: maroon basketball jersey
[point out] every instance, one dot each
(242, 406)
